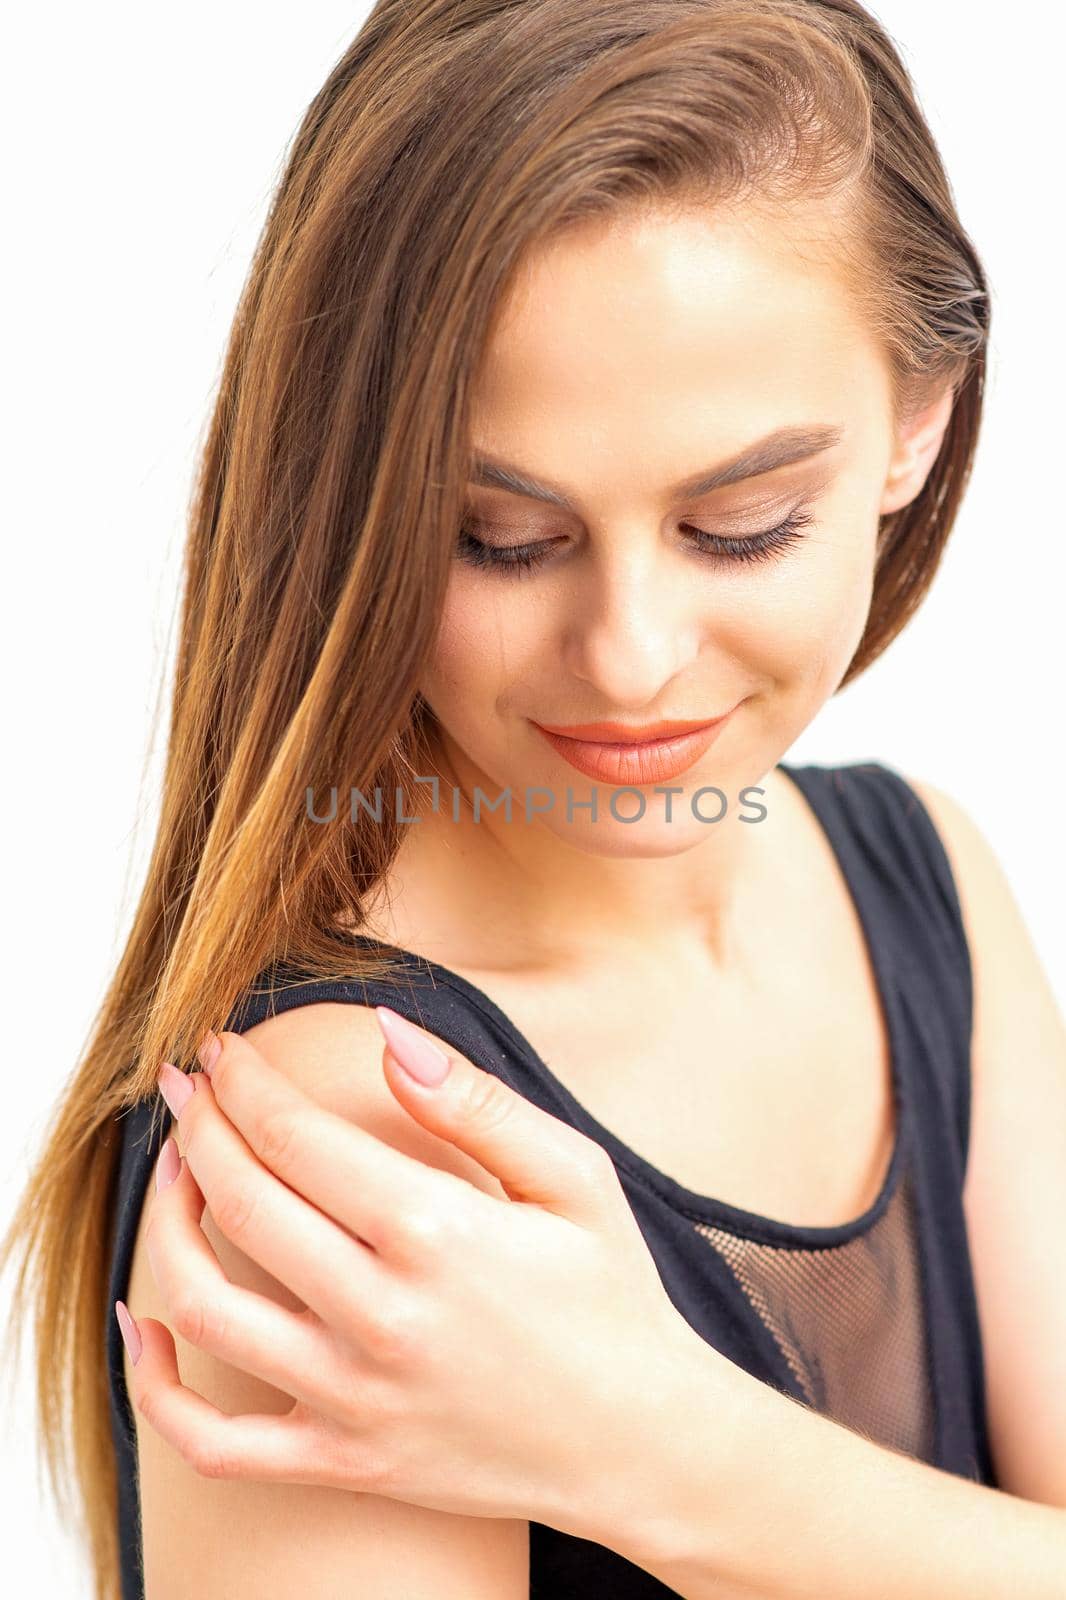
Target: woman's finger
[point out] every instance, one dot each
(336, 1275)
(535, 1156)
(287, 1348)
(375, 1190)
(289, 1447)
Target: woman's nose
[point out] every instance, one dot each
(633, 626)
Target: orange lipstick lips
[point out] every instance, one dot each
(612, 752)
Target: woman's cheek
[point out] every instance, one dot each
(476, 648)
(799, 625)
(833, 605)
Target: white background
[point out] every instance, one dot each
(140, 148)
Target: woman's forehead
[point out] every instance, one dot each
(701, 315)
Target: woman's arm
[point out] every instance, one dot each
(1015, 1193)
(751, 1496)
(216, 1538)
(784, 1503)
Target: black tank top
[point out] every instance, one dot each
(873, 1322)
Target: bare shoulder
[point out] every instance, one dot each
(1000, 943)
(1016, 1172)
(217, 1537)
(333, 1051)
(979, 876)
(1013, 1004)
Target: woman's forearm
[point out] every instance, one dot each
(742, 1492)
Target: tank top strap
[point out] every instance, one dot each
(424, 992)
(902, 880)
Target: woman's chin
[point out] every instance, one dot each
(651, 838)
(630, 821)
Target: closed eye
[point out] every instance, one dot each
(760, 546)
(516, 559)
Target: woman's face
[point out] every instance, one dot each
(633, 358)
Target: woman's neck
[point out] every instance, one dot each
(492, 894)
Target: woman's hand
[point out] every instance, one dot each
(470, 1354)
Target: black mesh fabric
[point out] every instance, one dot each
(849, 1320)
(874, 1323)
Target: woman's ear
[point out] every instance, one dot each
(917, 445)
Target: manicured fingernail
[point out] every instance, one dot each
(424, 1060)
(209, 1050)
(168, 1165)
(131, 1337)
(175, 1087)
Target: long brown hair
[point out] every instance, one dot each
(449, 137)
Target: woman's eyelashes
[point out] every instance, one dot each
(516, 559)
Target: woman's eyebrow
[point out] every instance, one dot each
(782, 448)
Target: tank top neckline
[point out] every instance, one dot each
(702, 1208)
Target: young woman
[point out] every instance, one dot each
(605, 366)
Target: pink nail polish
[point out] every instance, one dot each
(168, 1166)
(424, 1060)
(209, 1050)
(175, 1087)
(131, 1337)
